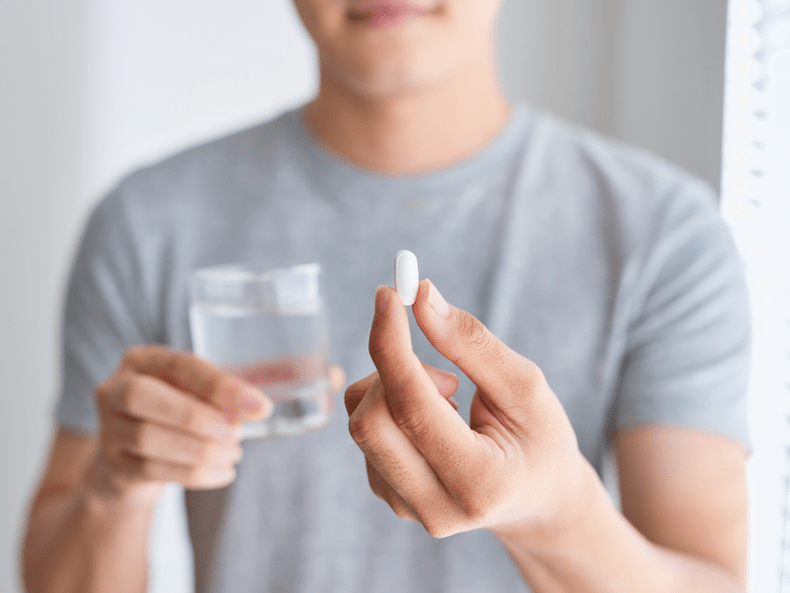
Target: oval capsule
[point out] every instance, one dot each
(407, 276)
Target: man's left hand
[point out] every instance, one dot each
(516, 466)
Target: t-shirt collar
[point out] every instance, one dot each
(336, 171)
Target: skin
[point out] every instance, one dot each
(164, 416)
(517, 471)
(408, 99)
(403, 100)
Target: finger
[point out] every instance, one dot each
(446, 383)
(356, 391)
(185, 371)
(192, 477)
(438, 432)
(384, 491)
(398, 462)
(337, 378)
(502, 374)
(147, 398)
(163, 443)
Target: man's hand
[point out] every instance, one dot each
(169, 416)
(517, 465)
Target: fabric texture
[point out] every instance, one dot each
(608, 267)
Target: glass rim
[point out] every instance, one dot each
(241, 272)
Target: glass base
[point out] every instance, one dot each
(311, 409)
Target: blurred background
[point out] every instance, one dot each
(90, 90)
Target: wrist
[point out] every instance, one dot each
(582, 502)
(105, 492)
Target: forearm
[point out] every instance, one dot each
(80, 542)
(603, 552)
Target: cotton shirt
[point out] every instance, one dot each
(606, 266)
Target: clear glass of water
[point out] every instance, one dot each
(269, 327)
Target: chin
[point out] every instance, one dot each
(399, 71)
(382, 84)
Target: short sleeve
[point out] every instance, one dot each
(689, 341)
(105, 312)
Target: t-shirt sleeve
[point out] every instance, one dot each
(689, 342)
(105, 312)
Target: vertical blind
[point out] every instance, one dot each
(756, 205)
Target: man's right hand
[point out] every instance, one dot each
(169, 416)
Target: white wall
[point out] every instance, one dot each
(89, 90)
(40, 82)
(648, 72)
(165, 74)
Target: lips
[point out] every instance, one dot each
(386, 13)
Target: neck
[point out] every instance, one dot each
(413, 132)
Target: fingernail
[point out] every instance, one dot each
(447, 373)
(382, 298)
(437, 302)
(250, 400)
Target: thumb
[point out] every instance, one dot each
(504, 376)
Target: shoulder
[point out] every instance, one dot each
(629, 174)
(637, 196)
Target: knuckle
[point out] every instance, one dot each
(379, 352)
(140, 437)
(437, 528)
(401, 510)
(410, 419)
(132, 393)
(356, 392)
(353, 396)
(162, 407)
(533, 372)
(384, 492)
(470, 328)
(133, 357)
(176, 365)
(109, 393)
(475, 510)
(351, 402)
(480, 340)
(482, 500)
(364, 431)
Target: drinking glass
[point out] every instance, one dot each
(269, 327)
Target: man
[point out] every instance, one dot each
(614, 309)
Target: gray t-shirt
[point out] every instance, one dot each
(608, 267)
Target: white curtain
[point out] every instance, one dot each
(756, 205)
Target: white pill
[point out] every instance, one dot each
(407, 276)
